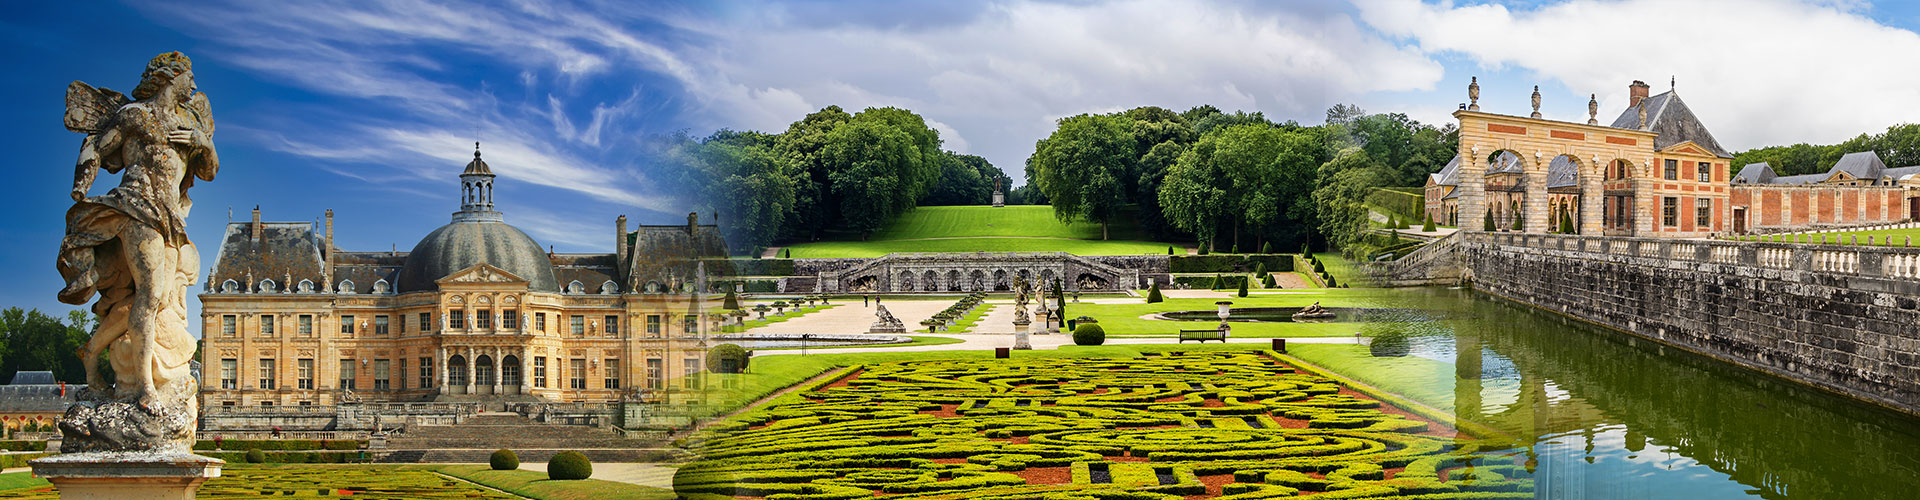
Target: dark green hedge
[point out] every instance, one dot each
(294, 457)
(23, 445)
(750, 267)
(12, 461)
(1276, 263)
(281, 444)
(1216, 282)
(1409, 206)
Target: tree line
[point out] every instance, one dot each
(1232, 181)
(1899, 146)
(31, 340)
(829, 171)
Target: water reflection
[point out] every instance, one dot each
(1606, 415)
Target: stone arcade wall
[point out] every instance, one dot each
(1843, 318)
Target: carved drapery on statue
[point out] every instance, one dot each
(130, 246)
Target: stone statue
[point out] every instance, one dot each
(1473, 95)
(130, 245)
(1536, 101)
(884, 322)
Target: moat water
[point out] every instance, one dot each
(1603, 414)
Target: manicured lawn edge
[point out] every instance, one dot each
(1411, 406)
(535, 484)
(917, 340)
(22, 479)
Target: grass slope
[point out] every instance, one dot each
(1021, 228)
(1897, 237)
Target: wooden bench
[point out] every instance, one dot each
(1202, 336)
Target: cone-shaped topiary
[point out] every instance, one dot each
(1319, 268)
(732, 301)
(1428, 226)
(1266, 247)
(1243, 287)
(1089, 334)
(1153, 293)
(255, 456)
(504, 459)
(569, 465)
(1488, 226)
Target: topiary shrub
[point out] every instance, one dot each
(569, 465)
(1428, 226)
(1319, 268)
(1330, 283)
(1089, 334)
(727, 358)
(255, 456)
(1243, 288)
(1169, 250)
(1266, 247)
(504, 459)
(1153, 293)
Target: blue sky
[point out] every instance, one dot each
(371, 108)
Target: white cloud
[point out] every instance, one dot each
(1758, 73)
(1003, 76)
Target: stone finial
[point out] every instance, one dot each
(1536, 101)
(1473, 95)
(1643, 117)
(1593, 109)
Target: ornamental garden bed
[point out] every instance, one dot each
(1214, 424)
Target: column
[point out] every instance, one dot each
(1645, 201)
(440, 371)
(471, 365)
(526, 372)
(499, 369)
(1534, 206)
(1593, 202)
(1473, 169)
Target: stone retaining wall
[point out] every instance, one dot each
(1843, 318)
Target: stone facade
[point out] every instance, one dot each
(972, 272)
(1843, 318)
(477, 311)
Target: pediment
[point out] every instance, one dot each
(1688, 148)
(482, 273)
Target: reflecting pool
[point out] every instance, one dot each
(1603, 414)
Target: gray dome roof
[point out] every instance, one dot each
(460, 245)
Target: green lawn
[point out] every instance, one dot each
(22, 479)
(1407, 376)
(1344, 271)
(917, 341)
(534, 484)
(1884, 237)
(849, 249)
(1139, 426)
(1123, 320)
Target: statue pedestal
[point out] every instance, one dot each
(1020, 336)
(127, 475)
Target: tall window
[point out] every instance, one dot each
(1673, 169)
(1706, 172)
(612, 373)
(229, 373)
(380, 324)
(346, 324)
(1669, 211)
(381, 375)
(483, 319)
(653, 373)
(613, 324)
(303, 368)
(1703, 213)
(306, 325)
(401, 383)
(578, 378)
(579, 325)
(510, 319)
(653, 325)
(347, 380)
(426, 322)
(690, 324)
(690, 374)
(266, 374)
(426, 373)
(456, 319)
(227, 325)
(540, 322)
(266, 325)
(540, 372)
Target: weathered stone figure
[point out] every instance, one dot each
(130, 245)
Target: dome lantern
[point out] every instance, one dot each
(476, 191)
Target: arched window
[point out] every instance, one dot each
(346, 286)
(576, 287)
(381, 287)
(229, 286)
(306, 286)
(609, 288)
(267, 286)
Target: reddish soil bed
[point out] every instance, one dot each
(1046, 475)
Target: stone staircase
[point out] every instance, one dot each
(474, 440)
(1436, 263)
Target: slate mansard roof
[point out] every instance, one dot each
(1672, 121)
(460, 245)
(1863, 165)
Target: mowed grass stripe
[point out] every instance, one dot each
(852, 249)
(965, 221)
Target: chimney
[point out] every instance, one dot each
(1636, 92)
(256, 223)
(329, 241)
(693, 220)
(620, 237)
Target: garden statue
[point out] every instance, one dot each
(130, 245)
(884, 322)
(132, 436)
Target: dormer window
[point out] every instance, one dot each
(229, 286)
(346, 286)
(266, 286)
(608, 288)
(381, 287)
(576, 288)
(306, 286)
